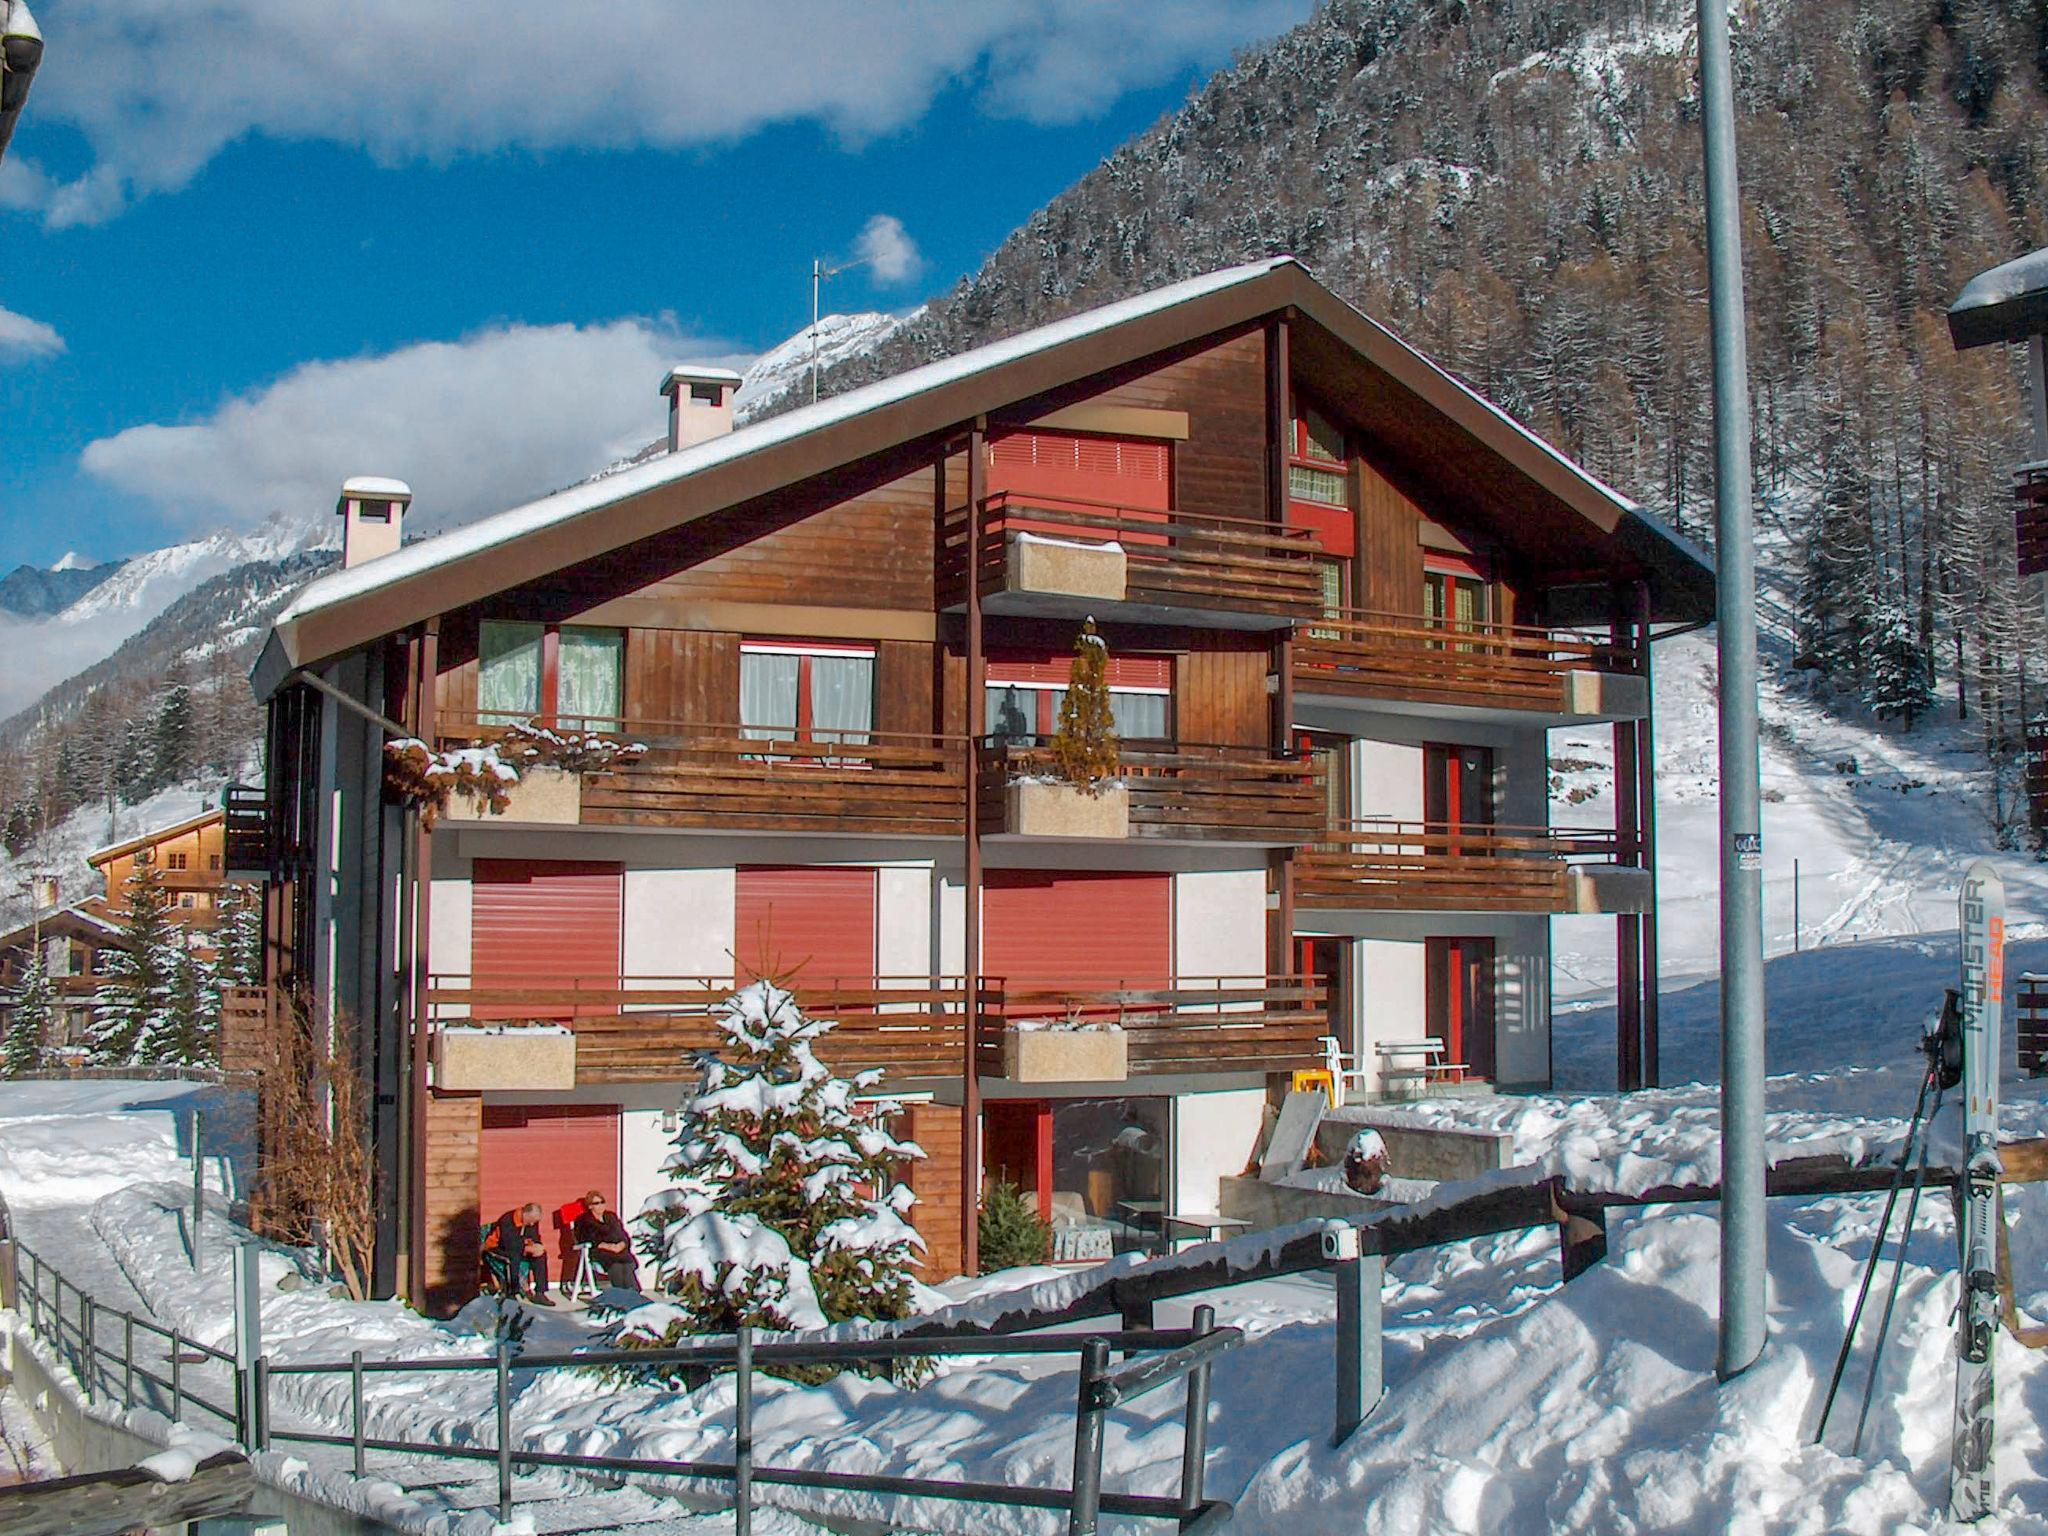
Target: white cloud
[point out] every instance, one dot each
(158, 87)
(885, 245)
(23, 337)
(473, 426)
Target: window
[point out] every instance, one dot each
(807, 691)
(174, 861)
(1321, 470)
(572, 674)
(187, 900)
(213, 862)
(1456, 599)
(1024, 698)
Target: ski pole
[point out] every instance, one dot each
(1884, 1322)
(1884, 1225)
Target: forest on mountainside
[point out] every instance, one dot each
(1514, 186)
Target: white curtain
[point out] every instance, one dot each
(508, 672)
(591, 676)
(1012, 712)
(842, 698)
(768, 695)
(1139, 716)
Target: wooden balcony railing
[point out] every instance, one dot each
(1182, 790)
(245, 832)
(1430, 866)
(879, 783)
(2030, 1022)
(1173, 559)
(1394, 656)
(647, 1028)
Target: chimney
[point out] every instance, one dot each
(699, 403)
(372, 510)
(44, 890)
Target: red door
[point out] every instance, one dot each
(1459, 990)
(1070, 930)
(545, 923)
(550, 1153)
(805, 926)
(1019, 1146)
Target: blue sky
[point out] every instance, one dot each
(236, 265)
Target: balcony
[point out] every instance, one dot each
(2030, 1022)
(1397, 866)
(1067, 558)
(643, 1029)
(245, 832)
(1410, 665)
(1177, 791)
(719, 778)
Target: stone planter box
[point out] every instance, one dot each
(1064, 568)
(481, 1059)
(1044, 808)
(1601, 889)
(1066, 1055)
(542, 797)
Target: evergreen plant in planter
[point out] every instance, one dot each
(1083, 797)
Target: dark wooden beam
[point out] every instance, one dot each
(424, 701)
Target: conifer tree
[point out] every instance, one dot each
(135, 1001)
(786, 1210)
(28, 1023)
(1084, 747)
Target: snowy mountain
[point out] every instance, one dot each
(784, 371)
(47, 649)
(31, 592)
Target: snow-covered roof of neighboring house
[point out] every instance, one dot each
(2007, 303)
(114, 851)
(89, 917)
(354, 606)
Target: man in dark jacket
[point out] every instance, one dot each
(519, 1242)
(611, 1250)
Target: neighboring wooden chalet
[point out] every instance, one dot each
(1345, 599)
(74, 942)
(188, 857)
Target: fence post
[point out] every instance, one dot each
(1088, 1416)
(127, 1359)
(355, 1407)
(504, 1430)
(1194, 1441)
(88, 1344)
(177, 1376)
(259, 1381)
(248, 1340)
(1359, 1366)
(743, 1437)
(198, 1187)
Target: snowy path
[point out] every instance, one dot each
(66, 1148)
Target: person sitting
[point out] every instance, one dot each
(519, 1241)
(611, 1249)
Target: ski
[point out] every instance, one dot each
(1973, 1473)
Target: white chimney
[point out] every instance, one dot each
(699, 403)
(44, 890)
(372, 510)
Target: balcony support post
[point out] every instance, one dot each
(977, 710)
(416, 888)
(1646, 799)
(1628, 926)
(1279, 445)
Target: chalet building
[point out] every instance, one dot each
(1345, 600)
(188, 857)
(74, 942)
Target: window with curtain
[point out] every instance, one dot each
(1321, 471)
(1031, 711)
(508, 672)
(590, 679)
(792, 692)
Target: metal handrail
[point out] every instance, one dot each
(1186, 1352)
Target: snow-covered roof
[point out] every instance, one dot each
(350, 607)
(101, 856)
(2007, 303)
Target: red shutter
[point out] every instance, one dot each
(1130, 471)
(809, 926)
(1073, 930)
(545, 922)
(550, 1153)
(1122, 672)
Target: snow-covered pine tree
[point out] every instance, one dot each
(28, 1023)
(238, 931)
(1084, 747)
(174, 737)
(1901, 684)
(135, 1000)
(786, 1211)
